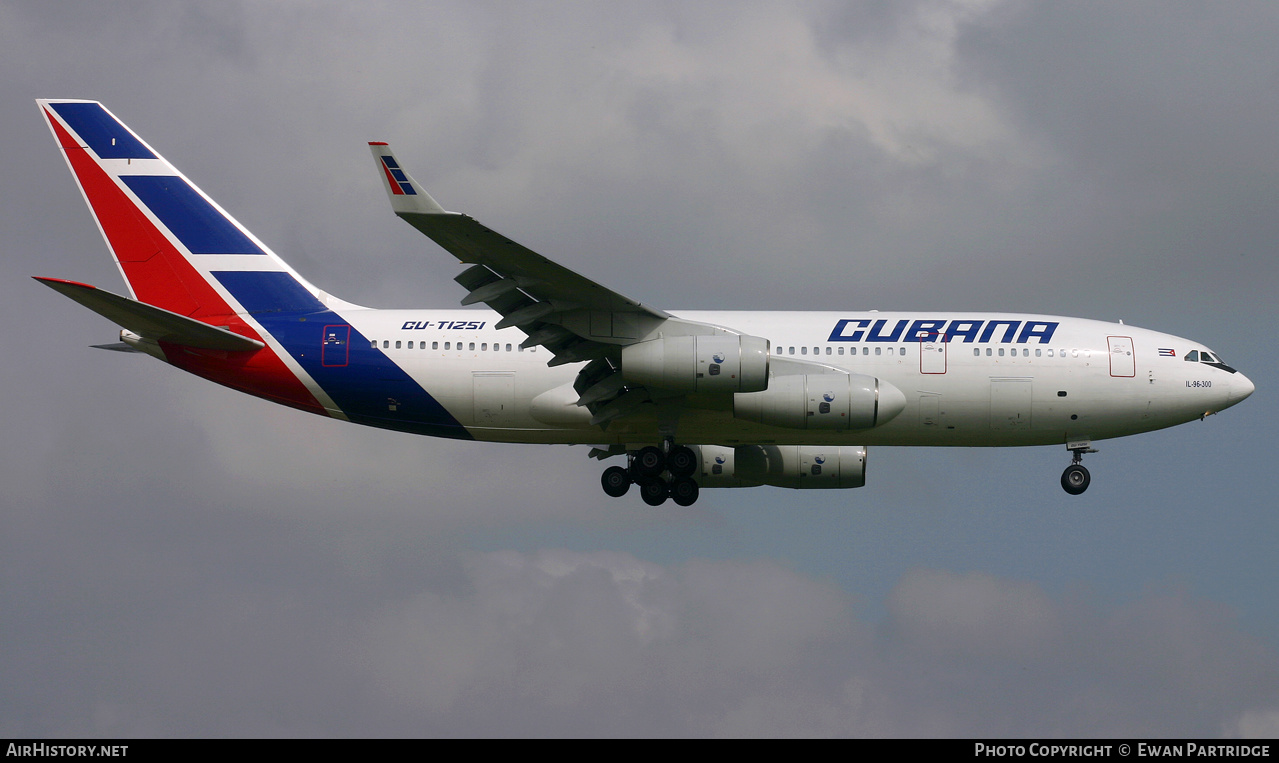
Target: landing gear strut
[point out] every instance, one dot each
(647, 467)
(1076, 478)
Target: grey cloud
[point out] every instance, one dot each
(601, 643)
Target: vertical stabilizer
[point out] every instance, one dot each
(170, 240)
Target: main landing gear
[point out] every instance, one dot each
(660, 473)
(1076, 478)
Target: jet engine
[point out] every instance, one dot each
(715, 363)
(793, 466)
(822, 401)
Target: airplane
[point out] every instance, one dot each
(692, 399)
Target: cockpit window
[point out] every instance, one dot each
(1208, 358)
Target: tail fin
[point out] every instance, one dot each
(176, 248)
(187, 262)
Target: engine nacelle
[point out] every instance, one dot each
(793, 466)
(822, 401)
(716, 363)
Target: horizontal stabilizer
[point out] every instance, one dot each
(152, 322)
(116, 347)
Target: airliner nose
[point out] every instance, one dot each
(1240, 388)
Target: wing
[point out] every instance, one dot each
(580, 320)
(569, 314)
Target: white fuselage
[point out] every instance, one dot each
(1081, 380)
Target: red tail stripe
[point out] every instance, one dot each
(160, 275)
(395, 186)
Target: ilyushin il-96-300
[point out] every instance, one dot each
(691, 400)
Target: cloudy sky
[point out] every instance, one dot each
(179, 559)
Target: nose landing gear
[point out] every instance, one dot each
(1076, 478)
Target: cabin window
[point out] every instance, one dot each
(435, 345)
(988, 352)
(410, 344)
(841, 350)
(386, 344)
(976, 352)
(472, 345)
(373, 344)
(901, 351)
(790, 351)
(803, 350)
(1074, 353)
(1039, 353)
(879, 350)
(865, 350)
(508, 347)
(484, 346)
(1001, 352)
(817, 351)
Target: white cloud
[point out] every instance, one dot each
(1256, 724)
(975, 615)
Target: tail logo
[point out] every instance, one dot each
(400, 185)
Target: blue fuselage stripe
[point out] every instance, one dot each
(369, 388)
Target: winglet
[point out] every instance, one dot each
(407, 195)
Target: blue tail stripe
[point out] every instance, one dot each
(200, 227)
(271, 291)
(370, 389)
(101, 132)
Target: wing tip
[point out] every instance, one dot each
(47, 281)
